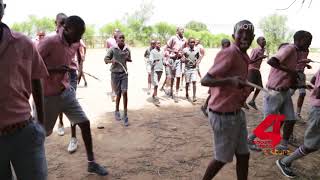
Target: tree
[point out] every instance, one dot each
(275, 30)
(33, 25)
(196, 26)
(163, 31)
(108, 29)
(88, 36)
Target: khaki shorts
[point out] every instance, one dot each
(312, 133)
(229, 135)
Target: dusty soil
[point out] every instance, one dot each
(173, 141)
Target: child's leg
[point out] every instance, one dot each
(302, 94)
(187, 90)
(194, 89)
(149, 82)
(118, 101)
(73, 130)
(85, 81)
(212, 169)
(60, 130)
(255, 95)
(288, 125)
(76, 115)
(242, 166)
(124, 90)
(61, 120)
(182, 77)
(171, 86)
(178, 84)
(125, 103)
(311, 143)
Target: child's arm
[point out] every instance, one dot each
(37, 93)
(128, 58)
(275, 63)
(257, 59)
(211, 81)
(109, 57)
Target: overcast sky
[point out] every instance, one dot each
(220, 15)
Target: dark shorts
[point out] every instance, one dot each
(73, 78)
(120, 82)
(254, 76)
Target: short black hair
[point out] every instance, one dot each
(243, 23)
(190, 39)
(223, 41)
(302, 34)
(76, 22)
(259, 38)
(119, 34)
(63, 18)
(61, 15)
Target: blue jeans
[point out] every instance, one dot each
(25, 150)
(73, 79)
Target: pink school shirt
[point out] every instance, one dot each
(302, 55)
(313, 100)
(56, 52)
(255, 53)
(287, 56)
(229, 62)
(111, 42)
(177, 43)
(20, 63)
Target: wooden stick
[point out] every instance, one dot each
(257, 87)
(94, 77)
(315, 61)
(125, 70)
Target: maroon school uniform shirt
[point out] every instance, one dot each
(313, 100)
(255, 53)
(177, 43)
(287, 56)
(56, 52)
(20, 63)
(229, 62)
(302, 55)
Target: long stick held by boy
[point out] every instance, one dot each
(119, 56)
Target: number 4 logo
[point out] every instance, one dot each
(273, 120)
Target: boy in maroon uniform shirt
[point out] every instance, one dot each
(226, 79)
(254, 75)
(57, 52)
(282, 77)
(21, 136)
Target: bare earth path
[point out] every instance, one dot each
(173, 141)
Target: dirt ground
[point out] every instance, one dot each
(173, 141)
